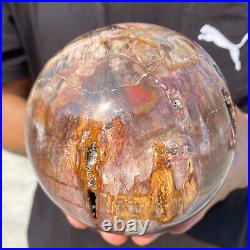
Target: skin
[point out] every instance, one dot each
(14, 97)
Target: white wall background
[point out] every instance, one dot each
(19, 184)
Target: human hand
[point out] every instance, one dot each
(236, 178)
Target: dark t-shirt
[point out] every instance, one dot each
(34, 32)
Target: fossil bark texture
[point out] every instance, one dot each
(131, 121)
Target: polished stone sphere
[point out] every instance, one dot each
(131, 122)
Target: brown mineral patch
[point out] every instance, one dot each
(164, 201)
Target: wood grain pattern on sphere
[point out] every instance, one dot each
(131, 121)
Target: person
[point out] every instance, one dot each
(34, 32)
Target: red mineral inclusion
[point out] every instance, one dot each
(131, 121)
(140, 98)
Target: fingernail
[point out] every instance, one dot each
(114, 239)
(75, 223)
(145, 240)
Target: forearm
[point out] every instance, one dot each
(238, 173)
(241, 152)
(13, 119)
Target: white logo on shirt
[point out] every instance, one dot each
(209, 33)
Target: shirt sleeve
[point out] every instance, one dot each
(14, 61)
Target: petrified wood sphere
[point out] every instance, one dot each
(131, 121)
